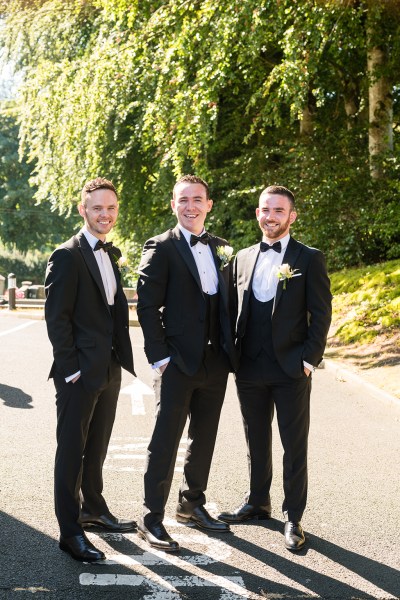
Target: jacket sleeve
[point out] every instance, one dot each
(151, 290)
(61, 284)
(319, 309)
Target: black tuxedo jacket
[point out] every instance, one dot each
(301, 313)
(79, 322)
(171, 305)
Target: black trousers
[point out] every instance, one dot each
(84, 424)
(179, 396)
(262, 389)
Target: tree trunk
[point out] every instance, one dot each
(380, 107)
(307, 120)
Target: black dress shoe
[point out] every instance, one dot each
(157, 536)
(79, 547)
(108, 522)
(201, 519)
(246, 512)
(294, 536)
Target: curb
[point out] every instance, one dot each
(344, 374)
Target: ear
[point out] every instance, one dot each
(81, 210)
(210, 204)
(292, 216)
(257, 212)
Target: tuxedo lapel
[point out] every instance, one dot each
(91, 263)
(221, 274)
(246, 274)
(290, 257)
(183, 248)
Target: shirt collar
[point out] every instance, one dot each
(92, 239)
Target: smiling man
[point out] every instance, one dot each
(284, 313)
(183, 308)
(87, 322)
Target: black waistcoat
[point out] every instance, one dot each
(258, 337)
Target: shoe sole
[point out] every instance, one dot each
(252, 518)
(156, 546)
(189, 523)
(88, 525)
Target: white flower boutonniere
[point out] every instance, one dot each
(285, 272)
(225, 254)
(122, 264)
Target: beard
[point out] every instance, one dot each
(275, 232)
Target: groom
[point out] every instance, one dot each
(284, 313)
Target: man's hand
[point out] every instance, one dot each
(307, 371)
(75, 379)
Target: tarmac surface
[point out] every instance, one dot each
(351, 521)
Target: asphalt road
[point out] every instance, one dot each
(352, 520)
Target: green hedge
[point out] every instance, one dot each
(28, 267)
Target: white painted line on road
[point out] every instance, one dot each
(18, 328)
(137, 389)
(213, 550)
(232, 587)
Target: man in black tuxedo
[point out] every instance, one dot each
(183, 308)
(88, 326)
(284, 313)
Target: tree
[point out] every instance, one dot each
(243, 93)
(23, 224)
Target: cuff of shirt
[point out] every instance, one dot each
(71, 377)
(160, 363)
(308, 366)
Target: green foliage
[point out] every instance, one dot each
(26, 267)
(24, 224)
(366, 302)
(143, 92)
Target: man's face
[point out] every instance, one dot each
(275, 216)
(100, 212)
(191, 206)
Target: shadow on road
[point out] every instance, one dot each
(14, 397)
(378, 574)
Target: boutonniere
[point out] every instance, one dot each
(225, 254)
(122, 264)
(285, 272)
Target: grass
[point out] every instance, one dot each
(366, 313)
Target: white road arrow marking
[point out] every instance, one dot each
(137, 389)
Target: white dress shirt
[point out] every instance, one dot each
(265, 280)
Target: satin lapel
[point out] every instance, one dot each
(222, 275)
(249, 264)
(91, 263)
(183, 248)
(290, 257)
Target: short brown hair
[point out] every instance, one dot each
(192, 179)
(282, 191)
(100, 183)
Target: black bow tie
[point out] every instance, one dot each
(204, 239)
(105, 245)
(264, 247)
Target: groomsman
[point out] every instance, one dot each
(284, 313)
(183, 310)
(87, 322)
